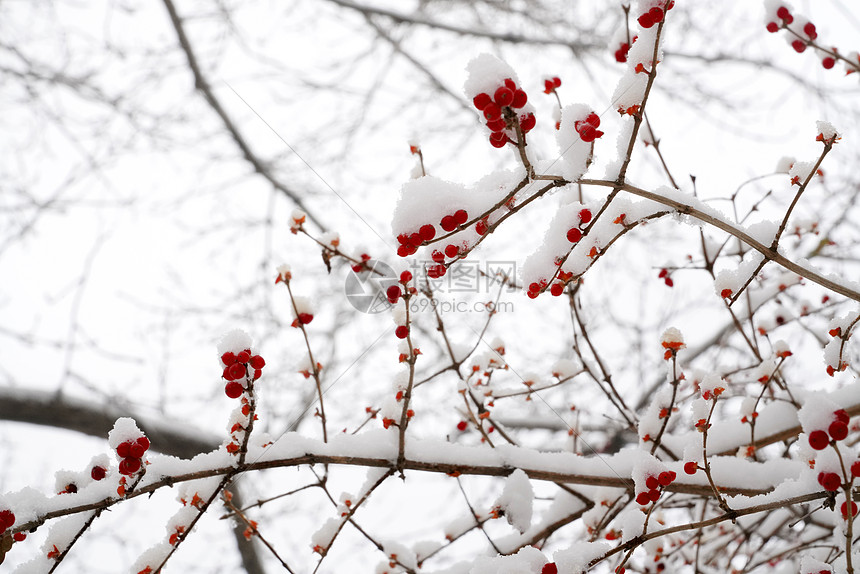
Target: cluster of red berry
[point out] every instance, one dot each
(410, 242)
(551, 84)
(654, 484)
(131, 453)
(502, 103)
(394, 292)
(624, 49)
(574, 234)
(238, 366)
(654, 16)
(838, 430)
(783, 14)
(587, 128)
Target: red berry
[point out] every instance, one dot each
(520, 99)
(393, 293)
(228, 358)
(404, 251)
(645, 20)
(257, 373)
(654, 495)
(461, 216)
(257, 362)
(585, 215)
(461, 426)
(643, 499)
(124, 449)
(415, 239)
(818, 439)
(7, 519)
(574, 234)
(533, 294)
(556, 81)
(509, 83)
(587, 133)
(129, 466)
(498, 139)
(549, 568)
(304, 319)
(406, 277)
(799, 46)
(243, 357)
(772, 27)
(669, 282)
(98, 473)
(401, 332)
(844, 509)
(144, 443)
(665, 478)
(663, 273)
(855, 468)
(481, 227)
(534, 287)
(503, 96)
(237, 370)
(137, 451)
(448, 222)
(842, 415)
(656, 14)
(838, 430)
(233, 390)
(527, 123)
(492, 111)
(828, 62)
(809, 30)
(451, 251)
(436, 271)
(21, 537)
(438, 256)
(482, 100)
(652, 482)
(497, 124)
(783, 13)
(427, 232)
(593, 119)
(830, 481)
(557, 289)
(548, 86)
(359, 268)
(620, 56)
(691, 467)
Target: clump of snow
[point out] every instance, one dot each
(528, 559)
(730, 281)
(330, 238)
(321, 539)
(817, 412)
(576, 558)
(566, 368)
(297, 219)
(784, 164)
(574, 152)
(712, 384)
(516, 500)
(124, 429)
(234, 341)
(672, 338)
(800, 171)
(485, 73)
(826, 130)
(303, 305)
